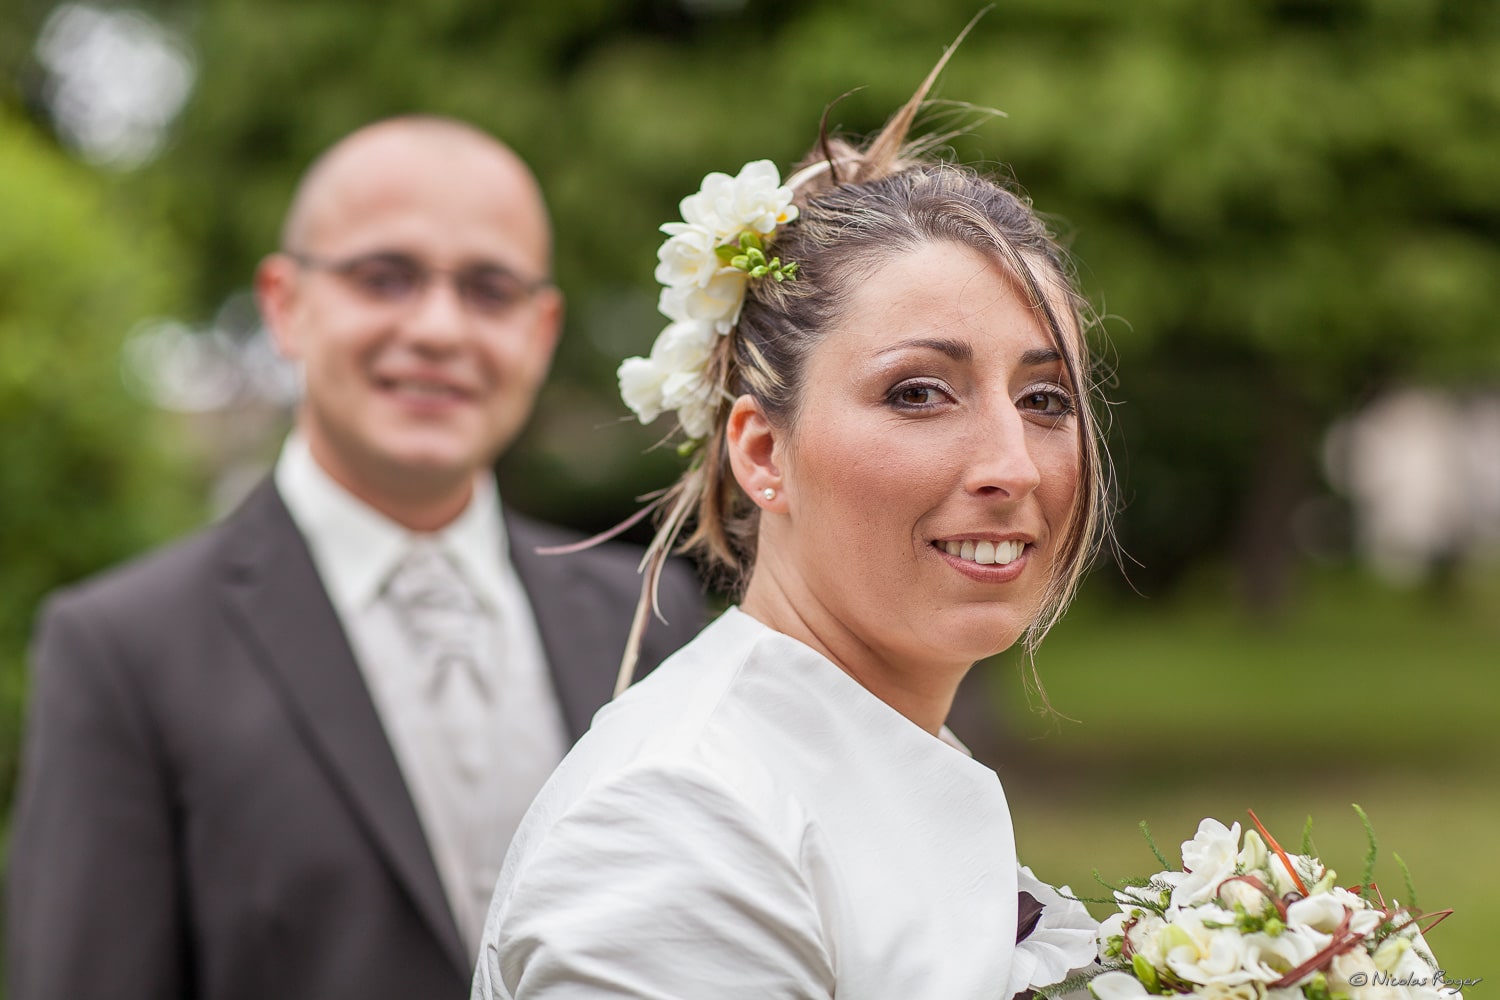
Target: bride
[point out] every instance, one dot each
(886, 380)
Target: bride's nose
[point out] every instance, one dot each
(1000, 463)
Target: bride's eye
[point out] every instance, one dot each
(1047, 401)
(917, 396)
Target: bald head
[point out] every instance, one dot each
(410, 145)
(414, 288)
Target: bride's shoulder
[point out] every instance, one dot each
(702, 740)
(665, 818)
(640, 854)
(699, 704)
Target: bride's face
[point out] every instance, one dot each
(933, 462)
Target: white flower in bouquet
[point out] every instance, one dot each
(1325, 910)
(1226, 991)
(1207, 860)
(1243, 919)
(1141, 934)
(1203, 946)
(1350, 968)
(1272, 956)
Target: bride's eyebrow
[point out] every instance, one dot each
(958, 350)
(1040, 356)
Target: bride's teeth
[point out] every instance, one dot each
(986, 553)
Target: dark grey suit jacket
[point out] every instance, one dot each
(209, 807)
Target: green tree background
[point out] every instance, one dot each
(1284, 207)
(86, 475)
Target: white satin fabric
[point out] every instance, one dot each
(750, 822)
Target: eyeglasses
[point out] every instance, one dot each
(398, 280)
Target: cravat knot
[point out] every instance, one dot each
(441, 617)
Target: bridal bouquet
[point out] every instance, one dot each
(1245, 920)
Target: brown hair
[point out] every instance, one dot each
(857, 209)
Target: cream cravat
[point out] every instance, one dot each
(452, 642)
(449, 636)
(443, 621)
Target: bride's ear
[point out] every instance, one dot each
(755, 452)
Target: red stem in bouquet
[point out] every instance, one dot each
(1342, 942)
(1301, 886)
(1343, 939)
(1259, 887)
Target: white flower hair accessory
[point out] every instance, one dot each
(704, 266)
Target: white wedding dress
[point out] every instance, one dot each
(749, 821)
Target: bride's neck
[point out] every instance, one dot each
(921, 691)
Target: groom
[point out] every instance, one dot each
(284, 758)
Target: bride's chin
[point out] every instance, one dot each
(980, 641)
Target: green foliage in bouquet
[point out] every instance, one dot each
(1247, 920)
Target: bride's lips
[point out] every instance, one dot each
(986, 558)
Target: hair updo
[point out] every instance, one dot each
(858, 209)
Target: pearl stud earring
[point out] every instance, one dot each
(768, 493)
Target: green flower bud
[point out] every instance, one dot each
(1145, 972)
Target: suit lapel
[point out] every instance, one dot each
(275, 592)
(582, 631)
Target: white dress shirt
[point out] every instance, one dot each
(749, 822)
(468, 813)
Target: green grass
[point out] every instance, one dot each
(1359, 693)
(1352, 673)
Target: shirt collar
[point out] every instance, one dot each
(355, 547)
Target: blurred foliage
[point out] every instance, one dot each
(1287, 205)
(1281, 208)
(83, 480)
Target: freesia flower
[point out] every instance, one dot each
(1143, 937)
(726, 206)
(1281, 878)
(1391, 952)
(1253, 856)
(640, 387)
(688, 258)
(1224, 991)
(1270, 957)
(1325, 910)
(1244, 895)
(717, 302)
(651, 386)
(1203, 946)
(703, 290)
(1116, 986)
(1208, 859)
(692, 396)
(1355, 966)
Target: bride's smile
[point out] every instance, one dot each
(930, 466)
